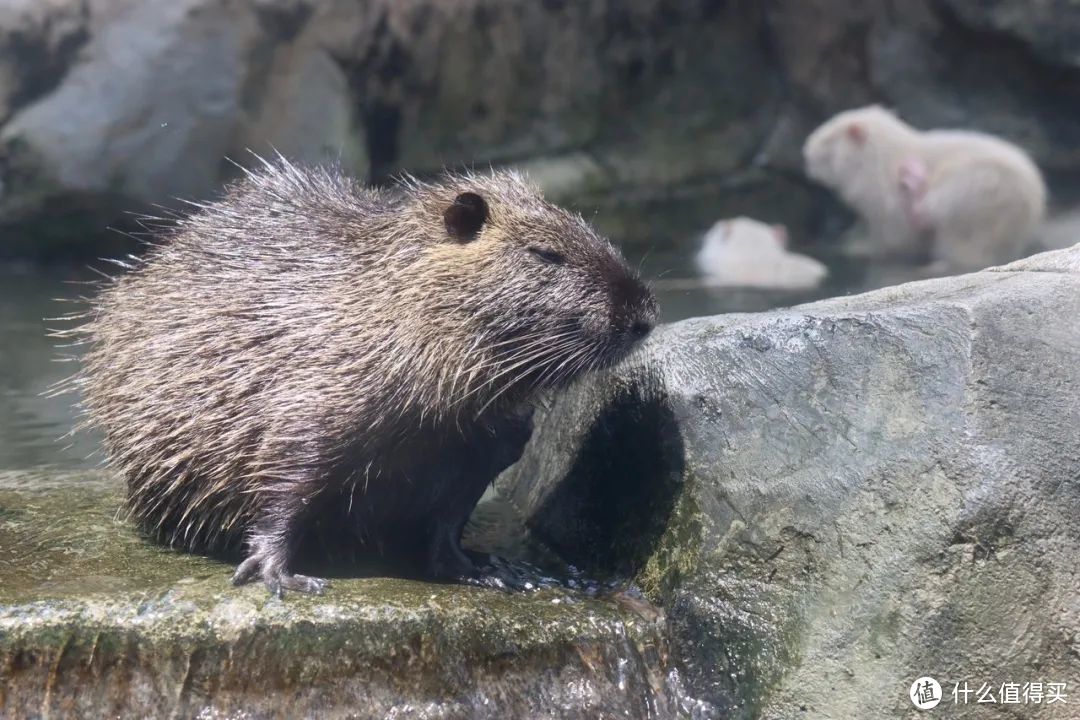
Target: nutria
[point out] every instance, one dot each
(309, 356)
(745, 252)
(974, 198)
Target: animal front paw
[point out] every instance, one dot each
(272, 570)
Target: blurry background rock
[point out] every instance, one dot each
(661, 117)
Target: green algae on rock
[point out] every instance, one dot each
(96, 621)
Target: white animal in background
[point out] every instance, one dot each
(977, 199)
(745, 252)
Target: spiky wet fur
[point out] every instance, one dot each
(310, 353)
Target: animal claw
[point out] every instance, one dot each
(304, 583)
(247, 571)
(276, 579)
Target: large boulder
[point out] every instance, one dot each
(834, 500)
(662, 116)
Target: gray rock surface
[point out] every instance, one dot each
(834, 500)
(663, 116)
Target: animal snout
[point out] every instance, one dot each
(636, 312)
(646, 318)
(641, 328)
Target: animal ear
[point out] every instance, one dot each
(856, 132)
(780, 232)
(465, 216)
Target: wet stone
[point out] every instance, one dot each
(97, 622)
(834, 500)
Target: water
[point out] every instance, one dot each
(34, 427)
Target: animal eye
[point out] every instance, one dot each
(548, 255)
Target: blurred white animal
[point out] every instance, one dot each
(745, 252)
(977, 199)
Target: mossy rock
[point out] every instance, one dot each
(97, 622)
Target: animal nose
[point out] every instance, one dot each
(642, 327)
(636, 312)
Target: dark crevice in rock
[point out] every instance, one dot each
(614, 506)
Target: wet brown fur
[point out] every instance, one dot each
(307, 348)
